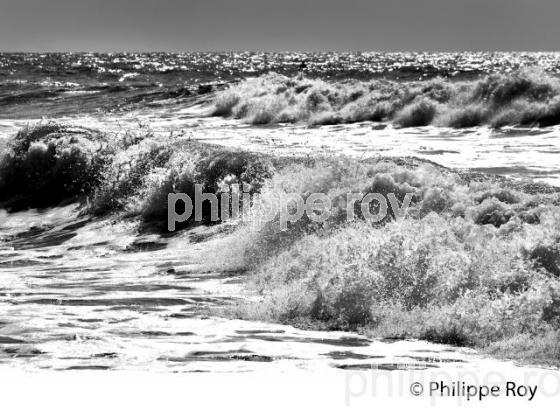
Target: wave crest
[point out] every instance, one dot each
(525, 97)
(47, 164)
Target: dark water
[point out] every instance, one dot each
(62, 84)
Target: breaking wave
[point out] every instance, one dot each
(528, 97)
(50, 164)
(475, 261)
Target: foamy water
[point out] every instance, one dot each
(518, 152)
(78, 293)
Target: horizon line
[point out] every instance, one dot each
(58, 51)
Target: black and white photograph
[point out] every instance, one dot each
(248, 204)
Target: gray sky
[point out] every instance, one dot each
(183, 25)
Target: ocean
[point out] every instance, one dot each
(111, 91)
(34, 85)
(91, 145)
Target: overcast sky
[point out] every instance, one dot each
(183, 25)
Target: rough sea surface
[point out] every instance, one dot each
(78, 293)
(55, 84)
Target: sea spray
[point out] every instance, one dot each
(527, 97)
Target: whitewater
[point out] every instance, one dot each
(86, 292)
